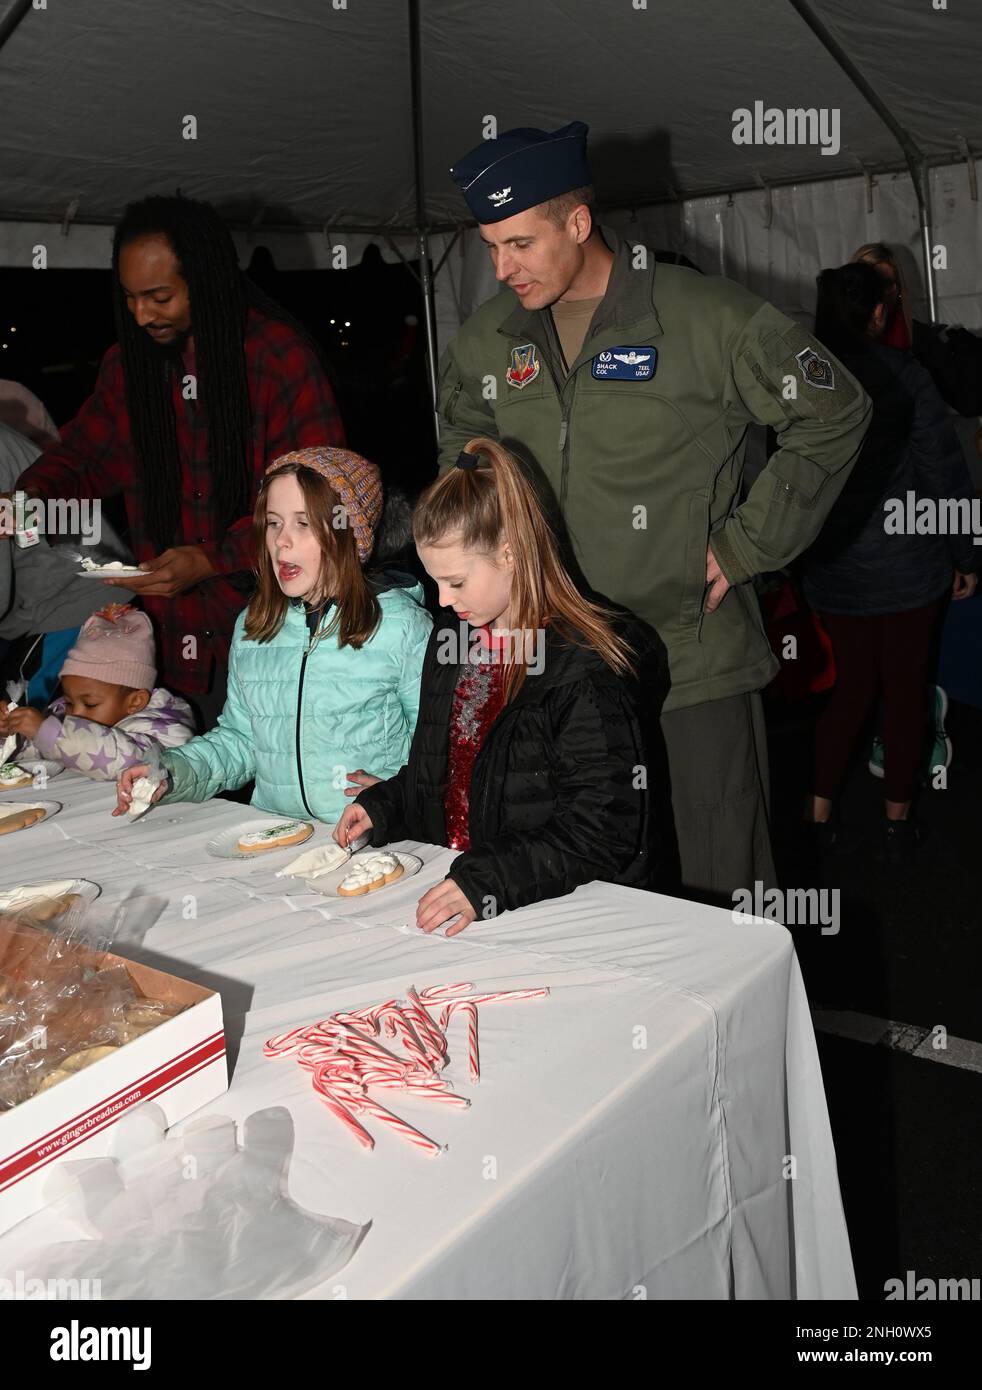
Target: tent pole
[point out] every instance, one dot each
(422, 241)
(916, 160)
(12, 18)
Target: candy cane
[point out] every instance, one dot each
(438, 993)
(473, 1056)
(310, 1056)
(283, 1043)
(469, 1010)
(343, 1114)
(402, 1127)
(429, 1028)
(413, 1043)
(443, 1097)
(321, 1033)
(344, 1056)
(365, 1047)
(504, 994)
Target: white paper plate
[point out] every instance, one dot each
(51, 808)
(83, 888)
(113, 574)
(29, 764)
(328, 885)
(226, 845)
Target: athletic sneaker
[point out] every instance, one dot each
(877, 757)
(940, 750)
(941, 743)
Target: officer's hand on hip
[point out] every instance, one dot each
(717, 581)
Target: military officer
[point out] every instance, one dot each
(628, 387)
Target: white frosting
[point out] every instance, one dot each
(10, 774)
(10, 742)
(274, 832)
(89, 564)
(360, 877)
(381, 863)
(143, 790)
(313, 862)
(16, 897)
(369, 870)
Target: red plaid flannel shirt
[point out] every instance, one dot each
(293, 407)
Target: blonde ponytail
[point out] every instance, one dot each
(482, 507)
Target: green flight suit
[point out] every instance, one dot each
(639, 452)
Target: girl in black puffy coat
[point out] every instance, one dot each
(537, 736)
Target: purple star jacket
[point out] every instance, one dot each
(103, 751)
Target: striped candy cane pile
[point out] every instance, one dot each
(345, 1055)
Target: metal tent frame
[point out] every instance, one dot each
(914, 160)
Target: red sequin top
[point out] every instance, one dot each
(478, 700)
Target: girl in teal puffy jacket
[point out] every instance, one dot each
(324, 669)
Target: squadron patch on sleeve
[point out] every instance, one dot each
(817, 371)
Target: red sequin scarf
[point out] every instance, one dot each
(478, 700)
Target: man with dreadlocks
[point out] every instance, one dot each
(209, 380)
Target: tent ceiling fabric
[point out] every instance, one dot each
(303, 109)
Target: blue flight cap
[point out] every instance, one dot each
(521, 169)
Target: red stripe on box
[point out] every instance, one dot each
(45, 1150)
(106, 1100)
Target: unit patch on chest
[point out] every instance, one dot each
(524, 366)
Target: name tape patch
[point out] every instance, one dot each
(625, 364)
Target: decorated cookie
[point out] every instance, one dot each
(291, 832)
(13, 776)
(369, 873)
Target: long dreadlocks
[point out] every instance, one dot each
(220, 296)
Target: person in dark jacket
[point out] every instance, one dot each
(952, 355)
(531, 754)
(879, 585)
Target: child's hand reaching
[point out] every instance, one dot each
(23, 720)
(358, 780)
(441, 903)
(124, 787)
(354, 821)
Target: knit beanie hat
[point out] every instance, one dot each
(115, 645)
(357, 482)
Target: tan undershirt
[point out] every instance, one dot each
(572, 320)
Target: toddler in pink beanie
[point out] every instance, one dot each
(110, 711)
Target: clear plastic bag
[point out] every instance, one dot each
(62, 1007)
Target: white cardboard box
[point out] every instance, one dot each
(179, 1065)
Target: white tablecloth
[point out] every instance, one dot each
(630, 1136)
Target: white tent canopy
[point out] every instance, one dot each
(304, 119)
(303, 108)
